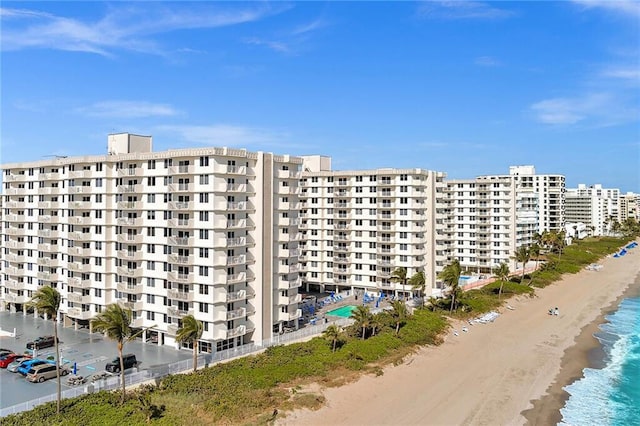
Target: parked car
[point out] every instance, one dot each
(43, 372)
(24, 369)
(13, 367)
(114, 366)
(4, 352)
(42, 342)
(7, 359)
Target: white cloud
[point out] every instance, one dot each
(128, 28)
(623, 73)
(128, 109)
(487, 61)
(625, 7)
(227, 135)
(458, 9)
(598, 109)
(278, 46)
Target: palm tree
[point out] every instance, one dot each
(191, 331)
(534, 252)
(399, 275)
(502, 273)
(375, 323)
(399, 313)
(418, 282)
(333, 333)
(362, 317)
(115, 322)
(47, 300)
(522, 255)
(451, 277)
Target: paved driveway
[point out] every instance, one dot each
(90, 353)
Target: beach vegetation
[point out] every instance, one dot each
(334, 334)
(399, 313)
(450, 275)
(399, 275)
(190, 331)
(502, 273)
(362, 317)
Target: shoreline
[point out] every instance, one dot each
(492, 373)
(587, 352)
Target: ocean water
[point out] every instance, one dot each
(610, 396)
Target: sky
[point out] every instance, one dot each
(464, 87)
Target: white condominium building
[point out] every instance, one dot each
(360, 225)
(594, 206)
(211, 232)
(550, 192)
(487, 219)
(629, 207)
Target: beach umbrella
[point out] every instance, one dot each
(75, 368)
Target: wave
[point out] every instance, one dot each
(610, 395)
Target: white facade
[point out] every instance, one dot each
(549, 191)
(594, 206)
(629, 207)
(359, 226)
(211, 232)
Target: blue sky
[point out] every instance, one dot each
(467, 88)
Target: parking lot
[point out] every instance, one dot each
(89, 352)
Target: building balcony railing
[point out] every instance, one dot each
(236, 260)
(13, 284)
(236, 314)
(79, 298)
(232, 170)
(185, 296)
(178, 313)
(236, 332)
(129, 189)
(78, 267)
(237, 296)
(45, 247)
(81, 236)
(78, 190)
(237, 206)
(16, 258)
(13, 244)
(127, 288)
(181, 187)
(185, 169)
(180, 259)
(130, 221)
(237, 278)
(235, 187)
(129, 205)
(78, 174)
(48, 276)
(181, 241)
(78, 313)
(80, 220)
(134, 306)
(13, 270)
(130, 238)
(13, 218)
(16, 178)
(48, 261)
(181, 277)
(80, 251)
(78, 283)
(129, 272)
(181, 223)
(14, 231)
(236, 242)
(131, 171)
(341, 259)
(181, 205)
(80, 205)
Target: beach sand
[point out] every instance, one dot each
(492, 373)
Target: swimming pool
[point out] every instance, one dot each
(465, 277)
(344, 311)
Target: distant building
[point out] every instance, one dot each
(629, 207)
(594, 206)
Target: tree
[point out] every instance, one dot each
(418, 282)
(375, 323)
(399, 313)
(47, 300)
(362, 317)
(399, 275)
(534, 252)
(191, 331)
(450, 275)
(502, 273)
(522, 255)
(333, 333)
(115, 322)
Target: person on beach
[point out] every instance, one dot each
(556, 312)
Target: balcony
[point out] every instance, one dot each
(126, 288)
(236, 242)
(50, 176)
(14, 284)
(134, 306)
(15, 258)
(49, 233)
(185, 169)
(236, 314)
(286, 316)
(13, 270)
(48, 276)
(129, 205)
(14, 298)
(80, 220)
(14, 231)
(181, 205)
(13, 218)
(16, 178)
(81, 236)
(129, 189)
(46, 247)
(78, 283)
(77, 190)
(79, 267)
(236, 260)
(237, 296)
(236, 332)
(79, 298)
(341, 259)
(294, 267)
(181, 187)
(129, 272)
(80, 251)
(79, 313)
(80, 205)
(236, 187)
(181, 241)
(185, 296)
(48, 261)
(180, 259)
(130, 238)
(181, 223)
(181, 277)
(129, 221)
(12, 244)
(237, 206)
(178, 313)
(237, 278)
(131, 171)
(288, 174)
(87, 174)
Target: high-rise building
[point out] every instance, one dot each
(211, 232)
(629, 207)
(360, 225)
(594, 206)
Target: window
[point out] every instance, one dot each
(204, 179)
(151, 198)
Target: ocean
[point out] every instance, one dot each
(610, 396)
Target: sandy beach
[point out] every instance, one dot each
(492, 373)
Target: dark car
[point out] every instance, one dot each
(42, 342)
(114, 366)
(7, 359)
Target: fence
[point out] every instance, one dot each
(157, 372)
